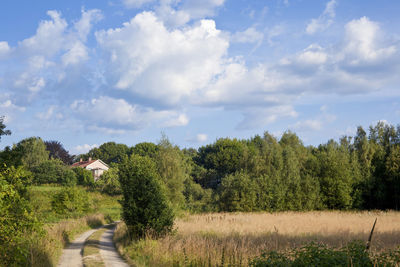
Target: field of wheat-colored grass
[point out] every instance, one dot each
(237, 237)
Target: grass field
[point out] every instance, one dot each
(210, 239)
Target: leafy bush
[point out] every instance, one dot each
(314, 254)
(53, 171)
(144, 204)
(17, 221)
(109, 182)
(71, 200)
(83, 176)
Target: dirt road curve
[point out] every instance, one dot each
(71, 256)
(108, 252)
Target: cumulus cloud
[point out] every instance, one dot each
(81, 149)
(110, 113)
(323, 21)
(182, 60)
(363, 41)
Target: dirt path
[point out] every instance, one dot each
(71, 256)
(108, 251)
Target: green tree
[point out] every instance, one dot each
(109, 152)
(145, 149)
(31, 152)
(173, 171)
(2, 128)
(109, 182)
(145, 207)
(17, 221)
(53, 171)
(83, 176)
(237, 193)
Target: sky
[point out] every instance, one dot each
(89, 72)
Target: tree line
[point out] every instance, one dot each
(262, 173)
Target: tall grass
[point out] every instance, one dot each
(235, 238)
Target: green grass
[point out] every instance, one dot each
(41, 196)
(62, 228)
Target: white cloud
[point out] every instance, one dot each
(53, 30)
(250, 35)
(199, 138)
(182, 60)
(4, 49)
(76, 54)
(181, 120)
(363, 38)
(85, 24)
(82, 149)
(323, 21)
(110, 113)
(49, 114)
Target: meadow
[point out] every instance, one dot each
(236, 238)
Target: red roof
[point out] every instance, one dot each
(83, 164)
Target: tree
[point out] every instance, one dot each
(57, 151)
(109, 183)
(144, 204)
(31, 151)
(2, 128)
(173, 171)
(109, 152)
(53, 171)
(83, 176)
(17, 221)
(237, 193)
(145, 149)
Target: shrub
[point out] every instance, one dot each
(144, 204)
(109, 183)
(53, 171)
(71, 200)
(17, 221)
(83, 176)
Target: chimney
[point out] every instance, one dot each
(90, 158)
(80, 160)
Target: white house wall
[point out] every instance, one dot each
(96, 165)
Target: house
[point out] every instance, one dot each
(96, 166)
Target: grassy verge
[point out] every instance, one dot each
(60, 229)
(91, 250)
(237, 239)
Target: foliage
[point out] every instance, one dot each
(83, 176)
(145, 149)
(237, 193)
(17, 220)
(173, 171)
(2, 128)
(314, 254)
(109, 152)
(71, 200)
(57, 151)
(109, 182)
(31, 152)
(144, 204)
(53, 171)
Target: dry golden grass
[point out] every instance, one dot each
(49, 248)
(237, 237)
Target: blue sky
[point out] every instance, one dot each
(88, 72)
